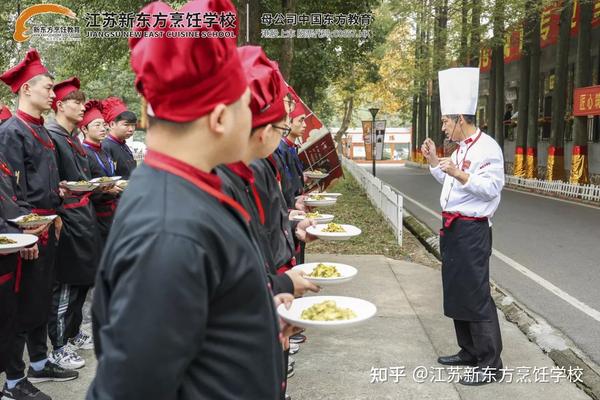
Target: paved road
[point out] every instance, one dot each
(547, 252)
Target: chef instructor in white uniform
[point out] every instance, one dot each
(472, 179)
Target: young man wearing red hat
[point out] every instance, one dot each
(179, 265)
(93, 127)
(122, 124)
(79, 248)
(268, 124)
(11, 265)
(287, 153)
(31, 154)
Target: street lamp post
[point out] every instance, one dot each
(373, 112)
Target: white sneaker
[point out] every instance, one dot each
(66, 357)
(294, 348)
(83, 341)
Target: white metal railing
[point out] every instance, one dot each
(385, 198)
(584, 192)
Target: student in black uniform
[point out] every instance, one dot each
(93, 127)
(30, 152)
(11, 265)
(79, 248)
(268, 124)
(121, 124)
(179, 265)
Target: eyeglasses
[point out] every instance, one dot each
(284, 131)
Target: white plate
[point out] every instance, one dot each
(75, 187)
(350, 231)
(347, 273)
(113, 180)
(33, 224)
(326, 194)
(323, 219)
(320, 203)
(362, 308)
(312, 175)
(23, 240)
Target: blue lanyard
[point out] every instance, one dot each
(110, 163)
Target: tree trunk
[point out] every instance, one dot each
(534, 94)
(415, 111)
(475, 46)
(491, 104)
(439, 61)
(287, 45)
(463, 58)
(555, 168)
(583, 77)
(498, 60)
(348, 106)
(523, 109)
(424, 57)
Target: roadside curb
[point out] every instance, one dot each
(557, 346)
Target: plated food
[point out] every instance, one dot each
(324, 271)
(327, 273)
(334, 231)
(327, 312)
(13, 242)
(315, 174)
(105, 180)
(80, 186)
(319, 201)
(6, 240)
(33, 220)
(333, 228)
(122, 183)
(316, 216)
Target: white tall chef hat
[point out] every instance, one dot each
(459, 90)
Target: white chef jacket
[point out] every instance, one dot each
(481, 157)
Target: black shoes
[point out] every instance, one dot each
(478, 378)
(456, 360)
(24, 390)
(51, 372)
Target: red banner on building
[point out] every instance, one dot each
(513, 43)
(586, 101)
(485, 60)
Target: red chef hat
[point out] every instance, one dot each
(266, 86)
(5, 113)
(64, 88)
(111, 108)
(29, 67)
(93, 110)
(185, 78)
(299, 108)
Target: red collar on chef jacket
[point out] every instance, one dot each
(289, 142)
(29, 118)
(207, 182)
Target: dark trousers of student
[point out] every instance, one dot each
(33, 306)
(66, 313)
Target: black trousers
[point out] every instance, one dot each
(8, 306)
(66, 313)
(481, 341)
(36, 346)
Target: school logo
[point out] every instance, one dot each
(57, 33)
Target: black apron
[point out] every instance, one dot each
(79, 247)
(466, 249)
